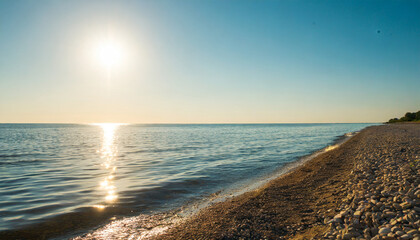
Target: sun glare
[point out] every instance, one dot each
(109, 53)
(108, 152)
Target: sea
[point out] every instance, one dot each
(66, 172)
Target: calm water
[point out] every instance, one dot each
(48, 170)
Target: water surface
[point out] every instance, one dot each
(49, 170)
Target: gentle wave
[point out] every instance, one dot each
(19, 155)
(159, 150)
(22, 162)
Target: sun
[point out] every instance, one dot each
(109, 53)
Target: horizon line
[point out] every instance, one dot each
(207, 123)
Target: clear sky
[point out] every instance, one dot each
(190, 61)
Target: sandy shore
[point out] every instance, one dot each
(368, 188)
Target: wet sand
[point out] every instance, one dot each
(366, 188)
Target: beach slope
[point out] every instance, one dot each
(367, 188)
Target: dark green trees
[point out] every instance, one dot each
(408, 117)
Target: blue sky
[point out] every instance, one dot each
(210, 61)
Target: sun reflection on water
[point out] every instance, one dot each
(109, 156)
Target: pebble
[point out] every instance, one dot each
(383, 192)
(384, 230)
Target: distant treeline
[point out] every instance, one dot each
(408, 117)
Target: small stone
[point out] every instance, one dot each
(347, 236)
(406, 236)
(366, 232)
(405, 205)
(390, 236)
(375, 237)
(384, 230)
(397, 206)
(411, 217)
(390, 214)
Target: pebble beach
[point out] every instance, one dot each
(383, 200)
(368, 188)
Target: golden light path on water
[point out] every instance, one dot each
(139, 227)
(108, 154)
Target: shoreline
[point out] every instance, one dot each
(322, 199)
(90, 219)
(304, 202)
(161, 222)
(259, 182)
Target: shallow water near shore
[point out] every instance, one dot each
(50, 170)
